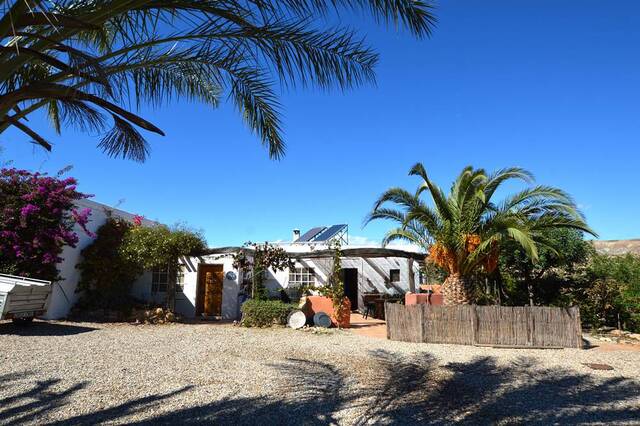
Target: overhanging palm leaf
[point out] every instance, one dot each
(464, 230)
(412, 231)
(80, 60)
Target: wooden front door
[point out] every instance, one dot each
(209, 297)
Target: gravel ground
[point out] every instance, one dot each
(84, 373)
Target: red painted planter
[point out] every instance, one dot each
(317, 304)
(423, 299)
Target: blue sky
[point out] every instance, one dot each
(552, 86)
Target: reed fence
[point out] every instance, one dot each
(499, 326)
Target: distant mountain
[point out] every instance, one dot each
(617, 247)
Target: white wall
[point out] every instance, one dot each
(186, 304)
(370, 274)
(64, 294)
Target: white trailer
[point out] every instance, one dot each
(22, 299)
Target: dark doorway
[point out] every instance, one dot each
(350, 280)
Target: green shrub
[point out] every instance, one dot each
(106, 276)
(264, 313)
(614, 295)
(121, 252)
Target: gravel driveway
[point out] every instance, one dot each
(83, 373)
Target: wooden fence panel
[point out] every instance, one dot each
(502, 325)
(512, 326)
(452, 324)
(556, 327)
(406, 322)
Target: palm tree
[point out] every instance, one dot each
(464, 230)
(86, 61)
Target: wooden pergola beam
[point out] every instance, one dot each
(368, 252)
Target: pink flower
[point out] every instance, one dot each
(28, 209)
(17, 251)
(137, 220)
(37, 220)
(82, 218)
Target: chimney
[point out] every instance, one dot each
(296, 235)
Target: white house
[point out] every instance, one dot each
(210, 285)
(64, 294)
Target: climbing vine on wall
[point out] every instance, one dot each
(258, 259)
(335, 285)
(161, 246)
(106, 275)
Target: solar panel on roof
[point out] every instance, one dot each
(330, 232)
(310, 234)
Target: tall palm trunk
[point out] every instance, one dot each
(457, 290)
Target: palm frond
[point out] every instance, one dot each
(427, 217)
(396, 195)
(403, 234)
(80, 115)
(257, 103)
(418, 16)
(439, 199)
(113, 54)
(385, 213)
(536, 194)
(468, 226)
(523, 237)
(124, 141)
(140, 51)
(35, 137)
(499, 177)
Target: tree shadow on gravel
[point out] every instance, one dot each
(43, 397)
(120, 411)
(38, 399)
(42, 328)
(396, 389)
(482, 392)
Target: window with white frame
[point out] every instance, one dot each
(180, 280)
(160, 279)
(302, 277)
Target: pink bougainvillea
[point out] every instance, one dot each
(137, 220)
(82, 219)
(37, 217)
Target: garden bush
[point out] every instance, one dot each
(612, 296)
(106, 275)
(121, 252)
(264, 313)
(605, 287)
(161, 246)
